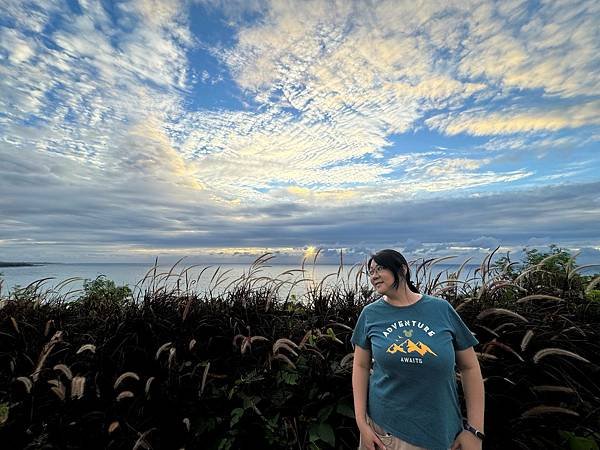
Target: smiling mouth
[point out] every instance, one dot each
(378, 284)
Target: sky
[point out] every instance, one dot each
(220, 130)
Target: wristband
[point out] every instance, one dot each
(467, 426)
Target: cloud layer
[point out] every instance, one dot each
(335, 118)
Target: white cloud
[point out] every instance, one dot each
(480, 122)
(553, 47)
(352, 77)
(333, 80)
(92, 84)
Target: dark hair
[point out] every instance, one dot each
(394, 261)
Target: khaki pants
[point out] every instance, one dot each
(390, 442)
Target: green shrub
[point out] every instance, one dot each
(593, 295)
(103, 294)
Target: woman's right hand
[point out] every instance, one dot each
(369, 439)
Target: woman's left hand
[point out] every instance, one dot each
(466, 441)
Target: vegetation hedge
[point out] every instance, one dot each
(165, 367)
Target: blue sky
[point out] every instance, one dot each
(219, 130)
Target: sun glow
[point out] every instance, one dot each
(310, 252)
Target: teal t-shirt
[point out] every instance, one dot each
(412, 389)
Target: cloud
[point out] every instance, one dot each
(334, 83)
(539, 241)
(79, 87)
(485, 242)
(481, 122)
(540, 141)
(98, 108)
(150, 152)
(134, 217)
(550, 47)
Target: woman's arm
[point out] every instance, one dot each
(472, 383)
(361, 367)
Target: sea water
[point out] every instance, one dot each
(201, 278)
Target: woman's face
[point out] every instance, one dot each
(381, 278)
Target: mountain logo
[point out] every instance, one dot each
(409, 346)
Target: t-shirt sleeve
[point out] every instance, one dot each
(463, 338)
(360, 336)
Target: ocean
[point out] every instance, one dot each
(200, 278)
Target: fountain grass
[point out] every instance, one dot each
(162, 366)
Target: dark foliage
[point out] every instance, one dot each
(254, 368)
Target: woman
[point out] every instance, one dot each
(409, 399)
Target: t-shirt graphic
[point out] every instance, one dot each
(412, 389)
(408, 346)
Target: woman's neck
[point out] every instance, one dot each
(402, 297)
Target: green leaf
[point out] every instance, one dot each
(236, 415)
(593, 295)
(225, 444)
(273, 421)
(325, 412)
(3, 413)
(578, 442)
(207, 425)
(313, 433)
(289, 377)
(323, 432)
(345, 409)
(232, 391)
(326, 434)
(582, 443)
(249, 401)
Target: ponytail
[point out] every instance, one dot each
(411, 286)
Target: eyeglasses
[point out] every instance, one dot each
(377, 270)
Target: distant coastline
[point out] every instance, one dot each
(20, 264)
